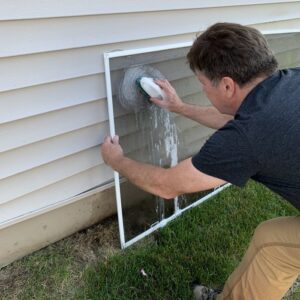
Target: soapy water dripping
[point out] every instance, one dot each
(161, 137)
(157, 125)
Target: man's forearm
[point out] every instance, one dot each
(147, 177)
(205, 115)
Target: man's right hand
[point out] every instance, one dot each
(172, 101)
(206, 115)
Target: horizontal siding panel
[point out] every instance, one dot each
(283, 26)
(197, 99)
(195, 134)
(174, 69)
(289, 59)
(292, 65)
(31, 101)
(40, 177)
(194, 147)
(34, 155)
(187, 86)
(284, 42)
(30, 130)
(185, 129)
(19, 9)
(55, 193)
(184, 124)
(29, 70)
(25, 37)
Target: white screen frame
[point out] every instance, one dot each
(107, 57)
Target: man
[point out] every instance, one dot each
(256, 109)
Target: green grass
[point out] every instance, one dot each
(42, 275)
(204, 244)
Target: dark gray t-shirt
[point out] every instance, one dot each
(263, 140)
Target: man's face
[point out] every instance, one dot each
(215, 93)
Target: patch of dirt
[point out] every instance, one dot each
(12, 280)
(87, 247)
(96, 242)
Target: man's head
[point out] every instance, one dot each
(231, 54)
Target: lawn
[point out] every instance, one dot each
(204, 244)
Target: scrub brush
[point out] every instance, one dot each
(149, 88)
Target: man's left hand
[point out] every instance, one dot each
(111, 151)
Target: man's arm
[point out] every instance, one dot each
(166, 183)
(206, 115)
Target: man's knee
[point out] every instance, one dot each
(276, 230)
(268, 232)
(261, 233)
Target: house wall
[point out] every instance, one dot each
(53, 99)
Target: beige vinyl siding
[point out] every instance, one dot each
(19, 9)
(52, 88)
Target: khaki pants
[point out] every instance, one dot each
(270, 265)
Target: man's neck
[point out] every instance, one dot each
(245, 90)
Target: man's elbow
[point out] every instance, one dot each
(168, 194)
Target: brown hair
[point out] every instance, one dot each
(228, 49)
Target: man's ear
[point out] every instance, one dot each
(228, 86)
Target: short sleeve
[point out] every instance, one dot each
(227, 155)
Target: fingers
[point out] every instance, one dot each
(164, 84)
(115, 139)
(110, 140)
(111, 151)
(107, 139)
(171, 101)
(168, 84)
(157, 101)
(160, 82)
